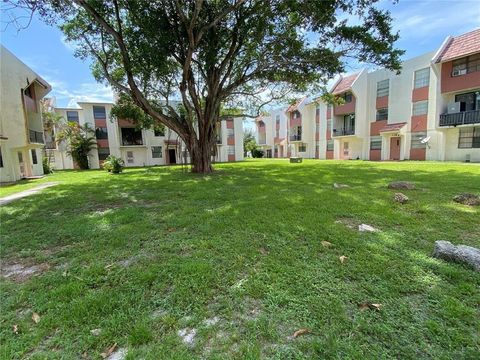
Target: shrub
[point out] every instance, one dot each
(47, 168)
(113, 164)
(257, 153)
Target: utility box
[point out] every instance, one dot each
(294, 160)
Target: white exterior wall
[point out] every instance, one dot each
(16, 120)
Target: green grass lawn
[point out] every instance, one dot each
(237, 258)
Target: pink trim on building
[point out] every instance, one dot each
(393, 127)
(376, 126)
(375, 155)
(102, 143)
(231, 157)
(381, 102)
(455, 83)
(420, 94)
(329, 154)
(419, 123)
(230, 124)
(417, 154)
(101, 123)
(344, 109)
(230, 140)
(125, 123)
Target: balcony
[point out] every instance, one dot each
(460, 118)
(36, 137)
(343, 132)
(297, 137)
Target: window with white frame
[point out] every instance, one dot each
(72, 116)
(420, 108)
(421, 78)
(382, 114)
(383, 88)
(230, 133)
(302, 147)
(469, 138)
(466, 65)
(329, 145)
(34, 157)
(231, 150)
(157, 152)
(329, 126)
(99, 112)
(416, 142)
(375, 143)
(103, 153)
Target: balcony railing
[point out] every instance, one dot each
(36, 137)
(51, 145)
(461, 118)
(343, 132)
(297, 137)
(132, 142)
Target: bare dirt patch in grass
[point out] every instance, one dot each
(21, 270)
(349, 222)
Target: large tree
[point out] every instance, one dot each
(215, 55)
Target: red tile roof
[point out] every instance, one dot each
(460, 46)
(345, 84)
(393, 127)
(294, 106)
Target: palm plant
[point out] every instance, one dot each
(80, 141)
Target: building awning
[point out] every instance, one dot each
(460, 46)
(344, 84)
(393, 127)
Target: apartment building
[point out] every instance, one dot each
(138, 147)
(429, 111)
(271, 132)
(21, 125)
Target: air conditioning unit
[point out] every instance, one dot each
(453, 107)
(459, 72)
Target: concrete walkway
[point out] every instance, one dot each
(22, 194)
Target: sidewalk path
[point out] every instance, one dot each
(22, 194)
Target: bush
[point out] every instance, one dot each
(257, 153)
(113, 164)
(47, 168)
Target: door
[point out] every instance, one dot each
(172, 156)
(269, 153)
(21, 164)
(346, 151)
(395, 148)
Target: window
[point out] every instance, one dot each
(317, 112)
(103, 153)
(382, 114)
(469, 138)
(296, 114)
(99, 112)
(421, 78)
(317, 128)
(277, 127)
(101, 133)
(231, 150)
(277, 120)
(302, 147)
(72, 116)
(230, 133)
(329, 145)
(382, 88)
(347, 97)
(468, 101)
(416, 142)
(329, 126)
(376, 143)
(420, 108)
(131, 137)
(466, 65)
(34, 157)
(157, 152)
(159, 131)
(1, 158)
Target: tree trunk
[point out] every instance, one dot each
(201, 157)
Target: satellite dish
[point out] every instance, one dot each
(425, 140)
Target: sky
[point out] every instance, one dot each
(423, 26)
